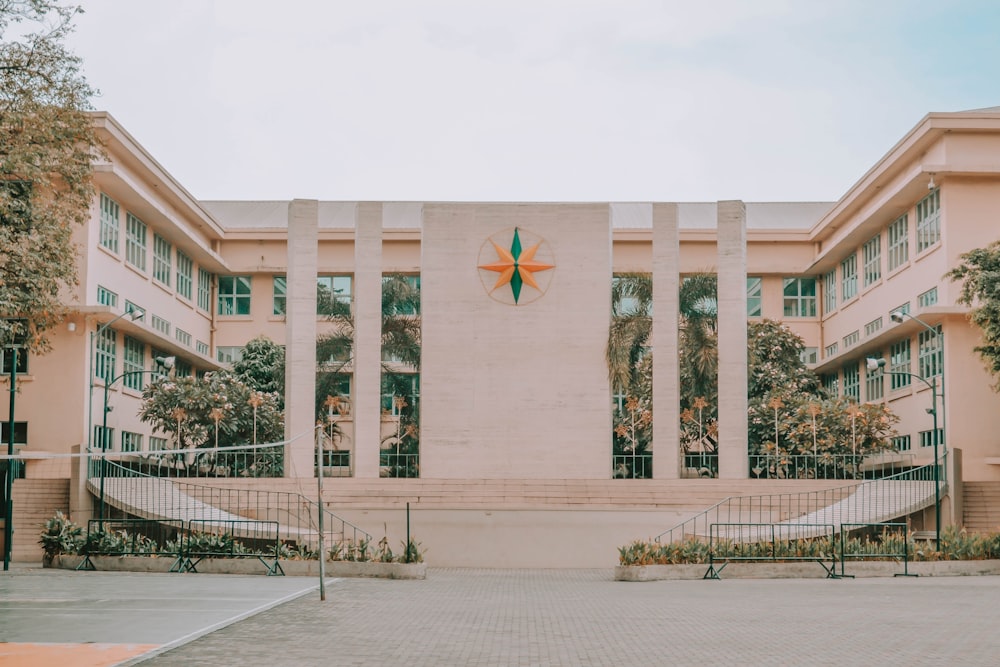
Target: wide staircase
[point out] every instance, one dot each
(35, 502)
(981, 506)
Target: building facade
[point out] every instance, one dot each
(515, 307)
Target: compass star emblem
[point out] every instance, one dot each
(516, 267)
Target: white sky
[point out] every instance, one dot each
(538, 100)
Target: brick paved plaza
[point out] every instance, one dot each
(502, 617)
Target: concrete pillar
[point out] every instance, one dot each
(367, 387)
(300, 338)
(732, 248)
(666, 376)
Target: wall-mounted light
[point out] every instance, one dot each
(931, 184)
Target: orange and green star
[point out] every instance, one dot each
(516, 266)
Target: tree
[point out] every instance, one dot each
(979, 273)
(218, 408)
(47, 147)
(262, 367)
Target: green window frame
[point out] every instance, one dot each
(871, 255)
(133, 360)
(135, 242)
(105, 354)
(185, 269)
(204, 290)
(755, 296)
(110, 222)
(874, 380)
(279, 295)
(161, 259)
(334, 293)
(830, 292)
(929, 221)
(849, 277)
(799, 297)
(234, 295)
(930, 353)
(898, 242)
(899, 364)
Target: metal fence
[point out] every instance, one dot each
(632, 466)
(392, 464)
(727, 542)
(128, 492)
(210, 538)
(870, 501)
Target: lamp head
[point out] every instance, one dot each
(166, 363)
(136, 314)
(874, 364)
(896, 316)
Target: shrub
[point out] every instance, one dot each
(60, 536)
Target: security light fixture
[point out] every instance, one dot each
(896, 316)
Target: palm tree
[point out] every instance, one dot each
(631, 326)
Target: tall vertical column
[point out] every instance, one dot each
(732, 248)
(367, 387)
(666, 376)
(300, 337)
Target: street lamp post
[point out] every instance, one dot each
(875, 364)
(8, 524)
(163, 364)
(134, 314)
(897, 316)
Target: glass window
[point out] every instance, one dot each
(874, 381)
(279, 289)
(930, 352)
(800, 297)
(131, 307)
(929, 221)
(333, 295)
(899, 362)
(135, 242)
(105, 347)
(928, 298)
(927, 439)
(408, 308)
(390, 405)
(899, 243)
(830, 292)
(754, 297)
(873, 326)
(809, 355)
(161, 259)
(133, 358)
(183, 337)
(161, 325)
(871, 254)
(131, 442)
(185, 269)
(852, 339)
(7, 361)
(629, 305)
(106, 297)
(104, 438)
(234, 295)
(204, 290)
(849, 277)
(109, 223)
(830, 384)
(228, 354)
(201, 347)
(901, 443)
(831, 350)
(852, 384)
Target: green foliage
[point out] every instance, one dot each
(979, 273)
(60, 536)
(116, 543)
(361, 552)
(956, 544)
(47, 147)
(183, 408)
(262, 367)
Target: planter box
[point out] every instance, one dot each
(859, 569)
(294, 568)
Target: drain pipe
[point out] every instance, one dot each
(319, 503)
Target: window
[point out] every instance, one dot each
(185, 269)
(182, 369)
(898, 242)
(279, 291)
(105, 347)
(7, 361)
(133, 356)
(161, 259)
(873, 326)
(849, 277)
(625, 304)
(15, 211)
(204, 290)
(899, 362)
(412, 397)
(851, 339)
(809, 355)
(201, 347)
(131, 307)
(800, 297)
(928, 298)
(131, 442)
(929, 221)
(903, 309)
(104, 438)
(234, 295)
(754, 297)
(927, 438)
(228, 354)
(333, 295)
(830, 350)
(183, 337)
(930, 353)
(161, 325)
(871, 255)
(852, 382)
(411, 307)
(135, 242)
(109, 223)
(901, 443)
(830, 384)
(20, 434)
(157, 444)
(106, 297)
(874, 381)
(830, 292)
